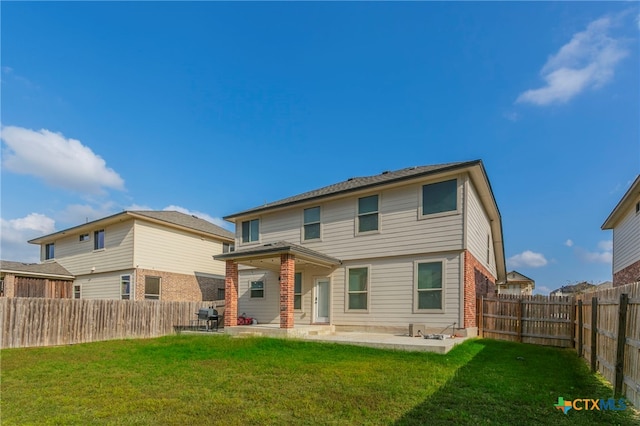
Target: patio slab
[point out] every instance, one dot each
(327, 333)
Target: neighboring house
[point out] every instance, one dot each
(415, 245)
(624, 220)
(18, 279)
(572, 290)
(158, 255)
(517, 284)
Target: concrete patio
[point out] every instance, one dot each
(327, 333)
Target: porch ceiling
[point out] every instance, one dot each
(267, 256)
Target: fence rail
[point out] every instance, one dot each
(602, 326)
(27, 322)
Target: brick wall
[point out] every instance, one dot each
(478, 281)
(287, 277)
(179, 287)
(231, 294)
(630, 274)
(9, 285)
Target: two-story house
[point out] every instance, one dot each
(517, 284)
(624, 220)
(136, 255)
(379, 252)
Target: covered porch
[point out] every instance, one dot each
(282, 258)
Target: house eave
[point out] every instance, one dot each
(623, 205)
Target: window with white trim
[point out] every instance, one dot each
(250, 231)
(152, 288)
(440, 197)
(368, 213)
(83, 237)
(297, 291)
(357, 288)
(257, 289)
(312, 223)
(227, 247)
(125, 287)
(49, 251)
(98, 239)
(429, 283)
(77, 291)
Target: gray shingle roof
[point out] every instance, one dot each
(49, 268)
(278, 247)
(185, 220)
(358, 183)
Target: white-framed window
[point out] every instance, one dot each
(297, 291)
(256, 289)
(77, 291)
(429, 285)
(358, 288)
(251, 231)
(311, 229)
(152, 288)
(83, 238)
(368, 209)
(125, 287)
(227, 247)
(98, 239)
(439, 198)
(49, 251)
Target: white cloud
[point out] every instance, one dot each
(16, 232)
(527, 259)
(59, 161)
(604, 254)
(587, 61)
(215, 220)
(568, 243)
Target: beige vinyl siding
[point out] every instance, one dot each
(478, 228)
(171, 250)
(391, 293)
(267, 310)
(102, 286)
(400, 233)
(79, 257)
(626, 241)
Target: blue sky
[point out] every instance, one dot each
(212, 108)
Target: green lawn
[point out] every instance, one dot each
(193, 379)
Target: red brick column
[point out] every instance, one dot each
(9, 285)
(231, 294)
(287, 278)
(471, 265)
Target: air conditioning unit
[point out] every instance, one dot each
(417, 330)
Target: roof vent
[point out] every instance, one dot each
(386, 172)
(350, 179)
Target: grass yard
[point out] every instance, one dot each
(192, 379)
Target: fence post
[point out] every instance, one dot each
(580, 329)
(622, 340)
(480, 309)
(594, 331)
(520, 303)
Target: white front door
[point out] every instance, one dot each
(321, 300)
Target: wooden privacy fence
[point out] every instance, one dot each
(540, 320)
(26, 322)
(611, 347)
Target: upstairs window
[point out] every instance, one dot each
(49, 251)
(250, 231)
(368, 214)
(77, 291)
(312, 223)
(84, 237)
(440, 197)
(227, 248)
(98, 240)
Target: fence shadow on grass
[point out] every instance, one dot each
(514, 383)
